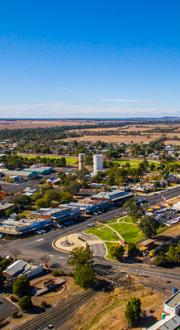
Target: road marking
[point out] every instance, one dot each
(40, 240)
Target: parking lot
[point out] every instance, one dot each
(167, 217)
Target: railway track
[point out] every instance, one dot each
(56, 315)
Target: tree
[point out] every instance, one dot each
(82, 259)
(81, 256)
(133, 311)
(132, 249)
(149, 226)
(132, 209)
(21, 286)
(84, 276)
(25, 303)
(117, 251)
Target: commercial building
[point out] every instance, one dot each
(87, 206)
(16, 176)
(61, 215)
(21, 267)
(24, 226)
(115, 197)
(39, 170)
(82, 161)
(97, 163)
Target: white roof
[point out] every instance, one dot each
(16, 267)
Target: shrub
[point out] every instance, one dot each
(25, 303)
(58, 272)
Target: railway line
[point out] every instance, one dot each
(57, 314)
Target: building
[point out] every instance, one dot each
(21, 267)
(87, 206)
(172, 305)
(39, 170)
(97, 163)
(170, 322)
(82, 161)
(19, 175)
(4, 207)
(170, 318)
(24, 226)
(115, 197)
(61, 215)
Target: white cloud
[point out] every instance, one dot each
(116, 100)
(62, 109)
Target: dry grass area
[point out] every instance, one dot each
(175, 142)
(115, 138)
(14, 124)
(51, 298)
(106, 310)
(171, 231)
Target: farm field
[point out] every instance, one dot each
(70, 160)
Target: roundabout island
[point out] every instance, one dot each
(77, 240)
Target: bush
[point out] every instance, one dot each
(25, 303)
(44, 304)
(16, 315)
(58, 272)
(14, 299)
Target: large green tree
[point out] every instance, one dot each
(133, 311)
(82, 259)
(21, 286)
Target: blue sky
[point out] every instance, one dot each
(89, 58)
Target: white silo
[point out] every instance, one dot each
(97, 162)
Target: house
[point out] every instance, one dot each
(4, 207)
(21, 267)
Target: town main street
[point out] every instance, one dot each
(40, 246)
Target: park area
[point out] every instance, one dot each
(119, 230)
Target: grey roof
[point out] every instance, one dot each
(172, 324)
(174, 300)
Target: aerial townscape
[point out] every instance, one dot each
(89, 165)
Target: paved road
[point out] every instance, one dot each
(38, 246)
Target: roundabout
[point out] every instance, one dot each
(72, 241)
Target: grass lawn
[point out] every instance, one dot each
(69, 160)
(130, 232)
(103, 233)
(134, 162)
